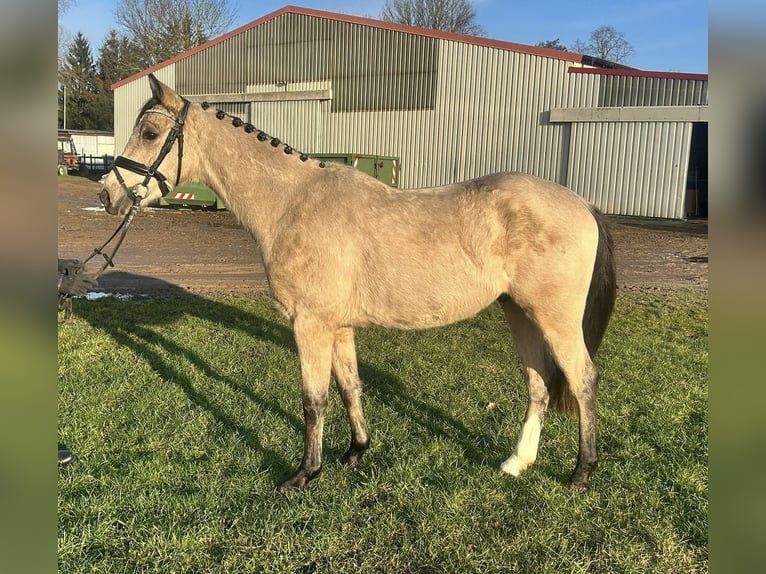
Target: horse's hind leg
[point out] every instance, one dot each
(587, 455)
(344, 367)
(537, 368)
(567, 345)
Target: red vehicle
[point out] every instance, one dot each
(68, 160)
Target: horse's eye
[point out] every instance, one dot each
(149, 135)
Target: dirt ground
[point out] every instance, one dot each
(207, 252)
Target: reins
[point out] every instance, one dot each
(65, 299)
(149, 172)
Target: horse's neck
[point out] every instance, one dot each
(259, 183)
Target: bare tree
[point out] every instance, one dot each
(64, 5)
(165, 28)
(448, 15)
(606, 43)
(64, 37)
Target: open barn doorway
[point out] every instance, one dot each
(696, 179)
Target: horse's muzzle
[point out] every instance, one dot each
(106, 202)
(112, 208)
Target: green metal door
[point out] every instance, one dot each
(382, 168)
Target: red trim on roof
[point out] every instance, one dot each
(475, 40)
(637, 73)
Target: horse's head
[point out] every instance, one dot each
(151, 163)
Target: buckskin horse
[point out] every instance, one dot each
(342, 250)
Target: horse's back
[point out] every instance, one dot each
(538, 239)
(443, 254)
(532, 195)
(426, 257)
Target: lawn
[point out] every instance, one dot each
(185, 415)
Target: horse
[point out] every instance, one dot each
(342, 250)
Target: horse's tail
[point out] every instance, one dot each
(598, 310)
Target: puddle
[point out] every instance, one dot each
(95, 295)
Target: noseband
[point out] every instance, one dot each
(152, 171)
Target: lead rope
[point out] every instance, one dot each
(65, 299)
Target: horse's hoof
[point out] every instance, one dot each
(294, 485)
(579, 487)
(286, 489)
(297, 482)
(514, 466)
(353, 457)
(579, 481)
(355, 452)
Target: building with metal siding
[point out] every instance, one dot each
(451, 107)
(631, 135)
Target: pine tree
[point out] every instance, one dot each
(117, 60)
(77, 77)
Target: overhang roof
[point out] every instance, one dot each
(637, 73)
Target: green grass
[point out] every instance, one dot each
(185, 415)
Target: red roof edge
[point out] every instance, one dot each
(476, 40)
(637, 73)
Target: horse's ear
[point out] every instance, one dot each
(156, 86)
(167, 97)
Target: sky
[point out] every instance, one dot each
(667, 35)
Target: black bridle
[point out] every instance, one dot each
(152, 171)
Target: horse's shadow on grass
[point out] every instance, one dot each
(140, 334)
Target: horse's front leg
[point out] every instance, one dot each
(314, 343)
(346, 373)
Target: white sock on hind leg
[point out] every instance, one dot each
(526, 449)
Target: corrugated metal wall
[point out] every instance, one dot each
(449, 110)
(279, 119)
(369, 68)
(631, 168)
(618, 91)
